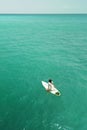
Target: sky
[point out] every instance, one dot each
(43, 6)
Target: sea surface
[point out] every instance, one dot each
(35, 48)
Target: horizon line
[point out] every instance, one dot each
(38, 13)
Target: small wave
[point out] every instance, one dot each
(60, 127)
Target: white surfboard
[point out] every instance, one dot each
(53, 91)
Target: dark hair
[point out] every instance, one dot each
(50, 80)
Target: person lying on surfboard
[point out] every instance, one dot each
(51, 86)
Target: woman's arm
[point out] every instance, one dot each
(49, 87)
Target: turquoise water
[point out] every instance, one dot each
(35, 48)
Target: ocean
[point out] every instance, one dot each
(35, 48)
